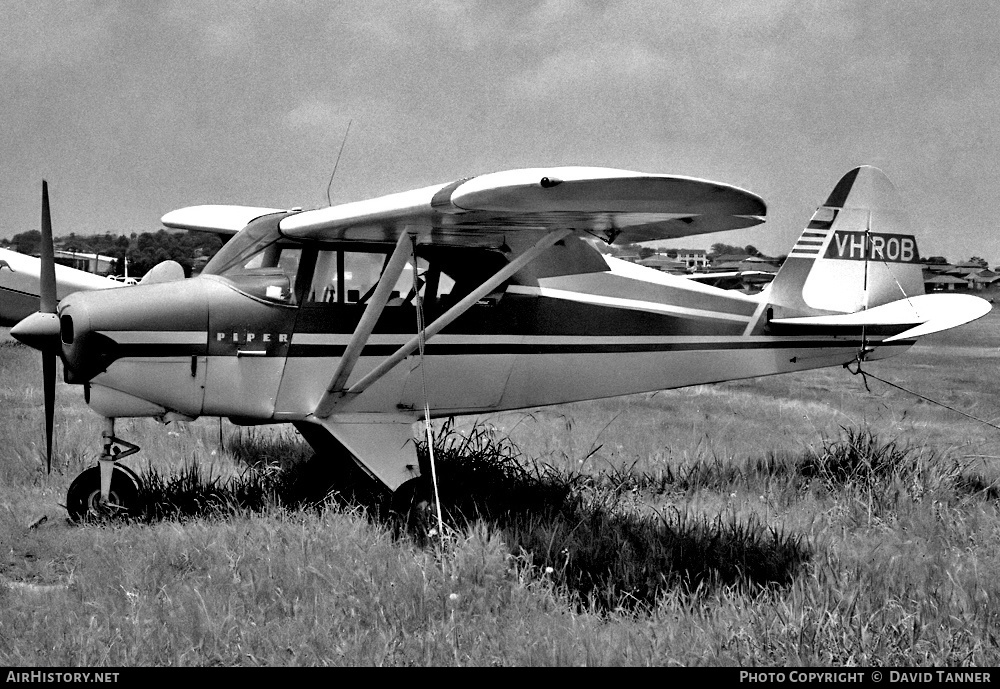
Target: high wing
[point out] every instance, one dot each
(615, 205)
(217, 219)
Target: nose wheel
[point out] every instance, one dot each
(83, 500)
(108, 489)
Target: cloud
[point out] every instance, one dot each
(427, 24)
(316, 116)
(580, 72)
(44, 35)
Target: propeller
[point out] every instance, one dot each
(41, 330)
(48, 299)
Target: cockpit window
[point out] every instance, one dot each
(259, 263)
(350, 277)
(262, 263)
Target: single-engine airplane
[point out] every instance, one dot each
(311, 317)
(19, 284)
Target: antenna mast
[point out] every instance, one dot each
(337, 162)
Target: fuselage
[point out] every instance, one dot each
(259, 336)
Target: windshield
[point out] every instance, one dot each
(253, 239)
(259, 262)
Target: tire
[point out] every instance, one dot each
(413, 501)
(83, 496)
(134, 476)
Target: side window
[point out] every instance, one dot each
(345, 277)
(361, 274)
(432, 284)
(350, 277)
(323, 288)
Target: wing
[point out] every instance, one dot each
(20, 284)
(616, 205)
(222, 220)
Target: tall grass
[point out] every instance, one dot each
(250, 582)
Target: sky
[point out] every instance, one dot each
(131, 110)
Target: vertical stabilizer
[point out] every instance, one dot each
(857, 252)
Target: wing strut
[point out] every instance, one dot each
(332, 398)
(393, 269)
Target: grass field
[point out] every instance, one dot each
(793, 520)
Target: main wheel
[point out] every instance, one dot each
(413, 502)
(83, 499)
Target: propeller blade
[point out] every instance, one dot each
(47, 304)
(47, 278)
(49, 383)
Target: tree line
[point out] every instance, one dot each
(143, 251)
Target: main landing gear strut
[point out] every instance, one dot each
(108, 489)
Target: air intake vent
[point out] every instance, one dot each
(66, 329)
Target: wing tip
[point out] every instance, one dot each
(220, 219)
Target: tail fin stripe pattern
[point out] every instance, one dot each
(810, 244)
(814, 238)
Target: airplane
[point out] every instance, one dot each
(352, 322)
(19, 284)
(732, 279)
(20, 280)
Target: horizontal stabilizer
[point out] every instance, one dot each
(224, 220)
(927, 313)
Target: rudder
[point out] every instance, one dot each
(856, 252)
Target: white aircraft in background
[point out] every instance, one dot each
(20, 284)
(732, 279)
(310, 317)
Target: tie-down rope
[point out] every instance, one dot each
(865, 375)
(421, 341)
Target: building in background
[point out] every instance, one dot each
(92, 263)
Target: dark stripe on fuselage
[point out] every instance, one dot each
(529, 348)
(457, 349)
(514, 316)
(518, 315)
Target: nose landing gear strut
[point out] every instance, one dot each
(108, 489)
